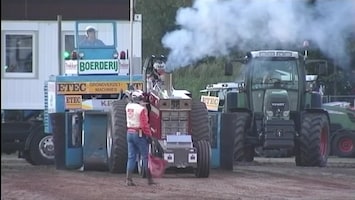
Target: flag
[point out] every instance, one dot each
(156, 166)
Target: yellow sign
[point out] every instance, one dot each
(73, 101)
(211, 102)
(95, 87)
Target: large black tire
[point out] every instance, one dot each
(27, 157)
(343, 144)
(313, 144)
(242, 152)
(201, 136)
(203, 159)
(200, 128)
(117, 138)
(41, 149)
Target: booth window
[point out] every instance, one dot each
(19, 55)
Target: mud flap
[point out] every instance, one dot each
(95, 129)
(58, 124)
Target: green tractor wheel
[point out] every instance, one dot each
(312, 147)
(242, 152)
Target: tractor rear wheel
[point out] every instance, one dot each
(242, 152)
(343, 144)
(203, 159)
(117, 138)
(201, 136)
(312, 147)
(200, 129)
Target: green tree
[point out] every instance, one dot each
(158, 18)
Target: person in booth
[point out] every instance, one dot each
(138, 135)
(90, 39)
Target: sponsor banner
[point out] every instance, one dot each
(98, 66)
(73, 102)
(211, 102)
(113, 87)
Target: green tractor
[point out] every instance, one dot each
(342, 128)
(274, 110)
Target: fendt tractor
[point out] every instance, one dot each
(273, 109)
(341, 114)
(214, 97)
(86, 113)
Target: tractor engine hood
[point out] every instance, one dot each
(276, 104)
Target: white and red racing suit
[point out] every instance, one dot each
(137, 118)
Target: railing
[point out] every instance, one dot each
(346, 98)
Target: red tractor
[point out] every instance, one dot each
(180, 125)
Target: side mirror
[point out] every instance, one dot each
(228, 69)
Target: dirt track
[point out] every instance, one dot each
(273, 179)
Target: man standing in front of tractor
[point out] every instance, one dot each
(91, 40)
(138, 135)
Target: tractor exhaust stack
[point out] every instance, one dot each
(168, 83)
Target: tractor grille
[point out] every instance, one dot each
(174, 122)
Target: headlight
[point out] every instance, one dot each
(286, 113)
(269, 113)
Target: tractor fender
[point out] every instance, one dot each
(34, 129)
(236, 100)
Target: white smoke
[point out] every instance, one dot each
(215, 27)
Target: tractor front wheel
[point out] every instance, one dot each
(242, 152)
(203, 159)
(312, 147)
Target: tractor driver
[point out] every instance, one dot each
(138, 135)
(157, 74)
(271, 76)
(90, 39)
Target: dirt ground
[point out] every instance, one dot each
(265, 178)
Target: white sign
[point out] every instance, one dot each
(70, 67)
(109, 66)
(211, 102)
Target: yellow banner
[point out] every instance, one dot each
(211, 102)
(73, 101)
(113, 87)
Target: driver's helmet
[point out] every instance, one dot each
(159, 66)
(90, 29)
(137, 96)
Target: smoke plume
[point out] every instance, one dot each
(215, 27)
